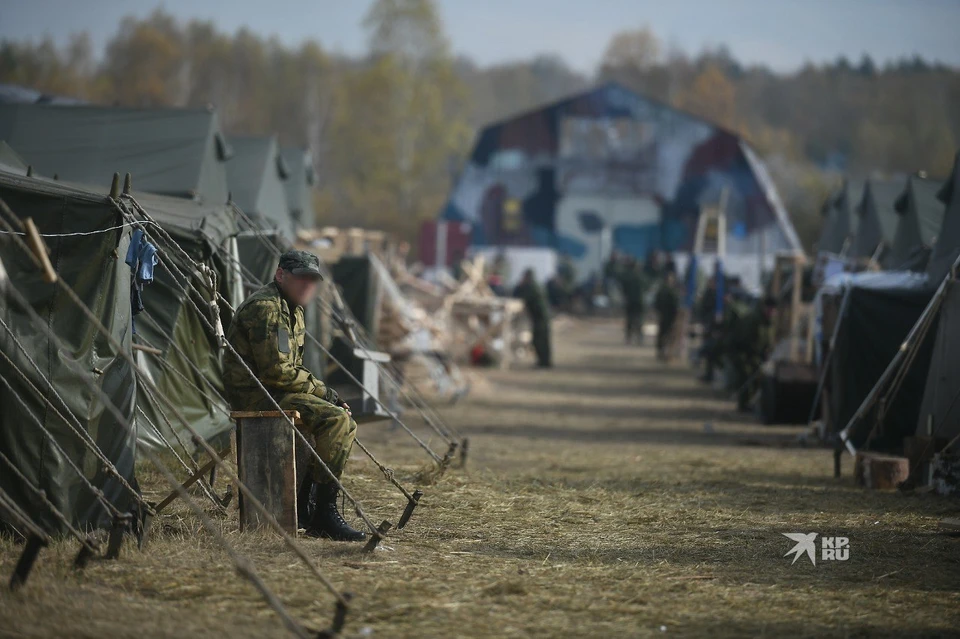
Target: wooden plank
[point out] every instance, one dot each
(266, 461)
(250, 414)
(950, 525)
(880, 472)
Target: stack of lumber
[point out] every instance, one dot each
(330, 243)
(466, 315)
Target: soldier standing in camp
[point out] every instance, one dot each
(667, 305)
(631, 284)
(268, 332)
(535, 302)
(751, 340)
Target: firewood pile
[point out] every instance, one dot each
(462, 319)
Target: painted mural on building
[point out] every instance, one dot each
(612, 170)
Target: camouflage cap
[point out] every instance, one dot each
(301, 263)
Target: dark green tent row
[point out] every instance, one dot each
(894, 220)
(883, 308)
(181, 159)
(92, 265)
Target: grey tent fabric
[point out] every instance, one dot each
(947, 248)
(178, 152)
(10, 160)
(92, 265)
(941, 396)
(206, 234)
(256, 175)
(841, 219)
(921, 216)
(299, 186)
(878, 217)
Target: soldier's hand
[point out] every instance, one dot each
(345, 406)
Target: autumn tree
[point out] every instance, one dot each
(399, 123)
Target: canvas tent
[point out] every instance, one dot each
(93, 266)
(10, 160)
(877, 227)
(921, 215)
(177, 152)
(299, 186)
(947, 247)
(188, 370)
(864, 347)
(257, 174)
(840, 218)
(940, 405)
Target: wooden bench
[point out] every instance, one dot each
(267, 465)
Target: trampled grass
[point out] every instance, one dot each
(611, 496)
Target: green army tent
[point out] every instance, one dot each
(877, 227)
(921, 215)
(947, 247)
(299, 186)
(10, 160)
(256, 175)
(90, 261)
(940, 406)
(188, 370)
(178, 152)
(940, 402)
(840, 218)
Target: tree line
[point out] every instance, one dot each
(390, 129)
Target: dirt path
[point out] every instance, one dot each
(611, 496)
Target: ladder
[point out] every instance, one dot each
(710, 239)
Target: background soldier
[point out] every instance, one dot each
(632, 286)
(752, 340)
(535, 302)
(268, 332)
(667, 305)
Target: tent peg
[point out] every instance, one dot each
(339, 618)
(86, 553)
(127, 184)
(115, 186)
(121, 524)
(29, 170)
(464, 449)
(411, 506)
(378, 536)
(35, 543)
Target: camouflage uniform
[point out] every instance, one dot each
(268, 333)
(632, 285)
(538, 310)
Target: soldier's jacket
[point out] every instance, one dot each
(534, 300)
(268, 333)
(632, 285)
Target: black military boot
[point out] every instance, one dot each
(326, 521)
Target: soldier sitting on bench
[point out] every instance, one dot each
(268, 332)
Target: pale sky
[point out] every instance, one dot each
(782, 34)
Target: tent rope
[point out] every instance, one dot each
(97, 493)
(73, 422)
(244, 566)
(329, 307)
(169, 266)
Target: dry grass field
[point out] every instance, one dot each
(610, 497)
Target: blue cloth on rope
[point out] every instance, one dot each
(142, 260)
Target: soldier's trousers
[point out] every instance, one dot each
(633, 325)
(541, 343)
(328, 428)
